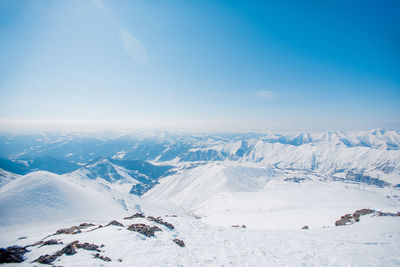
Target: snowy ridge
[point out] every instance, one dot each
(115, 176)
(46, 197)
(6, 177)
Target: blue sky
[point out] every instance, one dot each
(201, 65)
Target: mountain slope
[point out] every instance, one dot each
(135, 177)
(46, 197)
(231, 193)
(6, 177)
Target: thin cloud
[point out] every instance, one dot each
(266, 94)
(131, 44)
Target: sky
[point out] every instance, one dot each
(199, 65)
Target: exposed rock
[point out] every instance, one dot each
(137, 215)
(74, 229)
(179, 242)
(355, 217)
(12, 254)
(69, 231)
(98, 256)
(380, 213)
(238, 226)
(50, 242)
(345, 220)
(116, 223)
(46, 259)
(144, 229)
(160, 221)
(156, 228)
(85, 225)
(173, 215)
(358, 213)
(88, 246)
(305, 227)
(68, 250)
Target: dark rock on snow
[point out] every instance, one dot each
(88, 246)
(160, 221)
(46, 259)
(98, 256)
(179, 242)
(137, 215)
(115, 223)
(12, 254)
(305, 227)
(50, 242)
(358, 213)
(144, 229)
(68, 250)
(238, 226)
(345, 220)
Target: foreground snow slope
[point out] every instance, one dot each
(374, 241)
(43, 197)
(229, 193)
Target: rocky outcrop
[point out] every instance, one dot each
(68, 250)
(103, 258)
(115, 223)
(160, 221)
(144, 229)
(380, 213)
(345, 220)
(74, 229)
(87, 246)
(358, 213)
(305, 227)
(355, 217)
(137, 215)
(13, 254)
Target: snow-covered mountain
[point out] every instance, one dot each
(43, 197)
(227, 193)
(134, 177)
(373, 153)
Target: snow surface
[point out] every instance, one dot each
(375, 241)
(228, 193)
(6, 177)
(42, 197)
